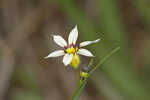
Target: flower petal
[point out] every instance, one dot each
(67, 59)
(73, 36)
(85, 52)
(56, 54)
(59, 40)
(85, 43)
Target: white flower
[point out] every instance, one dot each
(71, 50)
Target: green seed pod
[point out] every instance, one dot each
(83, 74)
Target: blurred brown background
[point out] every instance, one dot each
(26, 28)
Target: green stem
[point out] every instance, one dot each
(78, 77)
(103, 60)
(80, 89)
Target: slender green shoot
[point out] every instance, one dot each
(80, 89)
(78, 77)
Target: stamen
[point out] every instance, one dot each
(71, 49)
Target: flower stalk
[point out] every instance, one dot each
(78, 77)
(80, 89)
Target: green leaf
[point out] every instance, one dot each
(79, 90)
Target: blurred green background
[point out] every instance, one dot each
(26, 29)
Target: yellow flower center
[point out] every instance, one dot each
(72, 50)
(75, 61)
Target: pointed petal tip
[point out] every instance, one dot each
(85, 43)
(97, 40)
(54, 35)
(92, 55)
(76, 26)
(56, 53)
(46, 57)
(73, 36)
